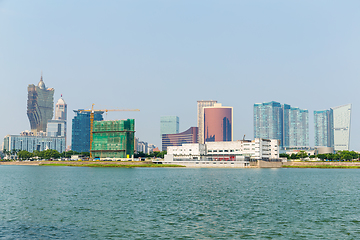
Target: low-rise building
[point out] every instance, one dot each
(224, 154)
(31, 143)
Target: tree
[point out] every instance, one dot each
(51, 153)
(24, 155)
(282, 155)
(302, 154)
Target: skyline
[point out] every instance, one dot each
(238, 53)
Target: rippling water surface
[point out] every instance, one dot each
(149, 203)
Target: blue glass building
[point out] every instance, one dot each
(80, 140)
(283, 122)
(169, 125)
(322, 127)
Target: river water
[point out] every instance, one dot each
(176, 203)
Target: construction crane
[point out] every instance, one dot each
(92, 111)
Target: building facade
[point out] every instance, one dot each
(290, 125)
(200, 117)
(40, 106)
(218, 122)
(332, 128)
(188, 136)
(257, 149)
(56, 128)
(341, 126)
(169, 125)
(113, 139)
(80, 140)
(32, 143)
(322, 129)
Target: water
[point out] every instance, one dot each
(150, 203)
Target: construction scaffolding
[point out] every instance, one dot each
(113, 139)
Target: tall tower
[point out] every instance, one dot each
(200, 117)
(61, 109)
(40, 106)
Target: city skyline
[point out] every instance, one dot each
(270, 51)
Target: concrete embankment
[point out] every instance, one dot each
(87, 163)
(322, 164)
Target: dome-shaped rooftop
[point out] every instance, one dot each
(41, 84)
(61, 101)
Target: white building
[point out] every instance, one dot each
(341, 127)
(243, 150)
(31, 143)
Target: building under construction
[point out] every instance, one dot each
(113, 139)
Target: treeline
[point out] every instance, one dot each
(151, 155)
(339, 156)
(46, 154)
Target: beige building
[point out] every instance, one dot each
(200, 117)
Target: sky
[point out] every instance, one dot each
(162, 56)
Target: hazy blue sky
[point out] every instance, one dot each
(162, 56)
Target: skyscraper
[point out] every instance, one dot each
(218, 122)
(332, 127)
(80, 140)
(341, 127)
(61, 109)
(40, 106)
(288, 124)
(169, 125)
(200, 117)
(296, 127)
(268, 121)
(322, 129)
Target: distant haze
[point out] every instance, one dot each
(162, 56)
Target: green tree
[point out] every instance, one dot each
(302, 154)
(51, 153)
(282, 155)
(24, 155)
(322, 156)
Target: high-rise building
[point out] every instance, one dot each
(169, 125)
(322, 127)
(341, 127)
(188, 136)
(268, 121)
(61, 109)
(296, 127)
(283, 122)
(80, 140)
(113, 139)
(332, 127)
(218, 122)
(40, 106)
(60, 120)
(200, 117)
